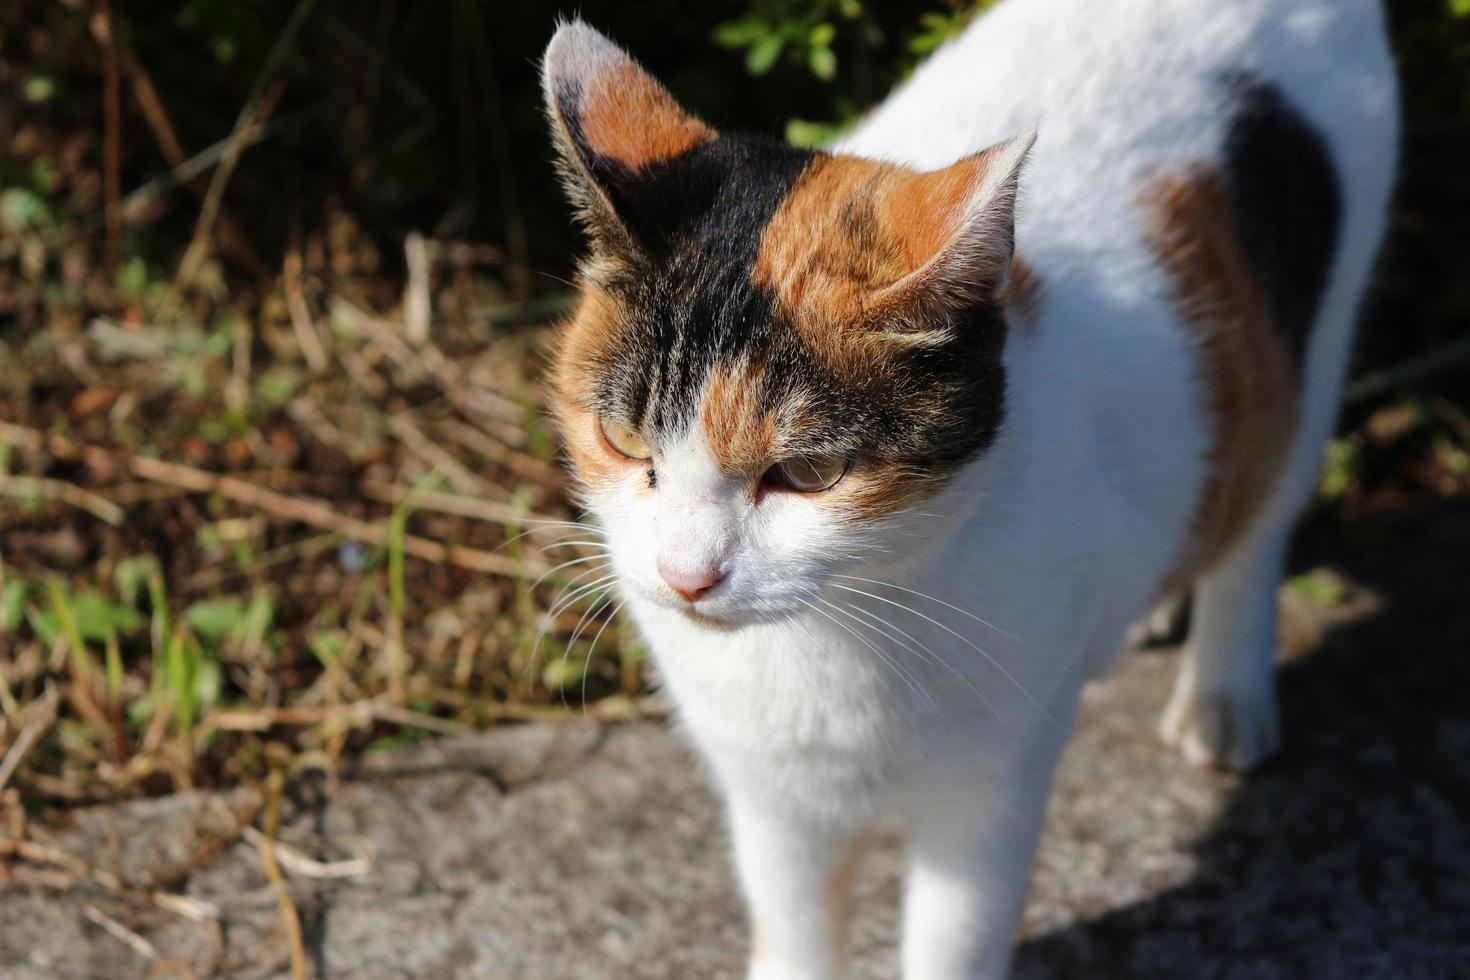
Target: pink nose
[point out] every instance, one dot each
(691, 585)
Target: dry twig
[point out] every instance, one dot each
(417, 304)
(120, 932)
(44, 718)
(265, 844)
(320, 514)
(37, 487)
(301, 321)
(299, 864)
(190, 908)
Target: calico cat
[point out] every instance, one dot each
(889, 444)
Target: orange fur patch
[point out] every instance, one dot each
(839, 896)
(825, 250)
(851, 227)
(855, 244)
(926, 210)
(629, 117)
(590, 335)
(742, 437)
(1250, 387)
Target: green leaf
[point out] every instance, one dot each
(191, 379)
(21, 209)
(1344, 461)
(277, 386)
(131, 577)
(811, 135)
(114, 665)
(763, 54)
(216, 619)
(207, 684)
(739, 33)
(563, 672)
(94, 616)
(823, 63)
(180, 671)
(822, 35)
(13, 604)
(1323, 589)
(259, 615)
(140, 710)
(327, 646)
(37, 89)
(132, 277)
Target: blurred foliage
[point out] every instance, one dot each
(809, 33)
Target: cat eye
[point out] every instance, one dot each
(808, 474)
(625, 440)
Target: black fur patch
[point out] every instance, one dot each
(1287, 201)
(697, 221)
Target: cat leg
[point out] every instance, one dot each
(1223, 708)
(970, 856)
(796, 876)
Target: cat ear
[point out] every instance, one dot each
(612, 123)
(956, 227)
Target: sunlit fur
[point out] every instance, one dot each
(1071, 376)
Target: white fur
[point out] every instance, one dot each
(820, 720)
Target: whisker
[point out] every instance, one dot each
(932, 656)
(560, 604)
(898, 672)
(816, 645)
(562, 601)
(962, 638)
(566, 564)
(587, 662)
(882, 731)
(923, 691)
(557, 278)
(567, 544)
(591, 610)
(552, 526)
(922, 595)
(553, 522)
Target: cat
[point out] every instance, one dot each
(890, 443)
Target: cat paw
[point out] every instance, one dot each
(1222, 730)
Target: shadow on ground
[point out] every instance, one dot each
(1347, 856)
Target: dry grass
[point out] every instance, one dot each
(235, 528)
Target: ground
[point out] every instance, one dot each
(573, 850)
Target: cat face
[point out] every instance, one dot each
(777, 353)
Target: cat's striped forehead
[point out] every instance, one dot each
(776, 283)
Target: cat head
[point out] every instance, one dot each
(777, 353)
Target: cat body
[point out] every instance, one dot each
(1060, 381)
